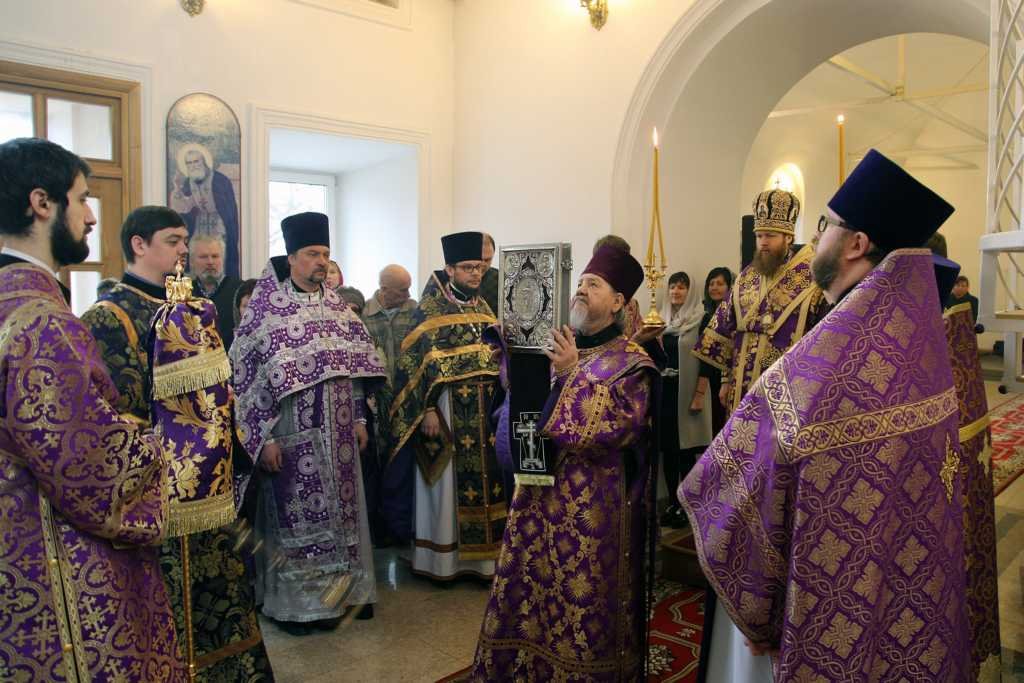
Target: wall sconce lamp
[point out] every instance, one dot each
(193, 7)
(598, 12)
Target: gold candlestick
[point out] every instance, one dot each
(654, 273)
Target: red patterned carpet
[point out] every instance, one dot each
(1007, 442)
(677, 628)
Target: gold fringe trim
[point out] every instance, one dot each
(534, 479)
(190, 517)
(959, 308)
(191, 374)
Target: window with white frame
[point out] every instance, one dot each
(291, 193)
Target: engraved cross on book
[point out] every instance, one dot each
(531, 446)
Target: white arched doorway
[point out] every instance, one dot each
(710, 86)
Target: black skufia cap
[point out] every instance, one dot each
(307, 229)
(463, 246)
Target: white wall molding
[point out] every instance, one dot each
(263, 118)
(399, 17)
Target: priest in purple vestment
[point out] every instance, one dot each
(301, 358)
(84, 493)
(976, 472)
(569, 591)
(828, 511)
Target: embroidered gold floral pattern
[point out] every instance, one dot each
(863, 501)
(64, 587)
(879, 424)
(977, 494)
(563, 600)
(800, 603)
(911, 556)
(743, 437)
(949, 469)
(841, 634)
(900, 327)
(906, 627)
(830, 552)
(877, 372)
(859, 446)
(867, 584)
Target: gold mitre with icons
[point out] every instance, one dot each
(191, 409)
(776, 211)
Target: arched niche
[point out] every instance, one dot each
(709, 87)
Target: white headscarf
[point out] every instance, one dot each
(688, 316)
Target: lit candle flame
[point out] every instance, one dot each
(840, 119)
(654, 137)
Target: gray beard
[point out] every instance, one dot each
(578, 317)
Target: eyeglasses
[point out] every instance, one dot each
(475, 268)
(825, 221)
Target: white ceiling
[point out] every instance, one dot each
(934, 61)
(297, 150)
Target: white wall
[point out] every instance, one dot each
(553, 119)
(540, 99)
(377, 219)
(269, 53)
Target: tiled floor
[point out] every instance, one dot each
(423, 631)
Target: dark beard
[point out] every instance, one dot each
(65, 249)
(768, 263)
(464, 291)
(825, 268)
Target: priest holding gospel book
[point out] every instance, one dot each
(569, 591)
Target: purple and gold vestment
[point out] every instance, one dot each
(296, 357)
(83, 505)
(759, 320)
(979, 497)
(568, 597)
(828, 511)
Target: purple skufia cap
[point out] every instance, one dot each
(885, 202)
(619, 269)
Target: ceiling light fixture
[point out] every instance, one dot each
(598, 12)
(193, 7)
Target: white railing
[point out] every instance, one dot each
(1002, 247)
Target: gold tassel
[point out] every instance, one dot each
(191, 374)
(200, 515)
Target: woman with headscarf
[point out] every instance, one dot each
(685, 407)
(716, 290)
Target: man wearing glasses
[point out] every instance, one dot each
(444, 382)
(772, 305)
(829, 510)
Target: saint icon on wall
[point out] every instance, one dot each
(204, 171)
